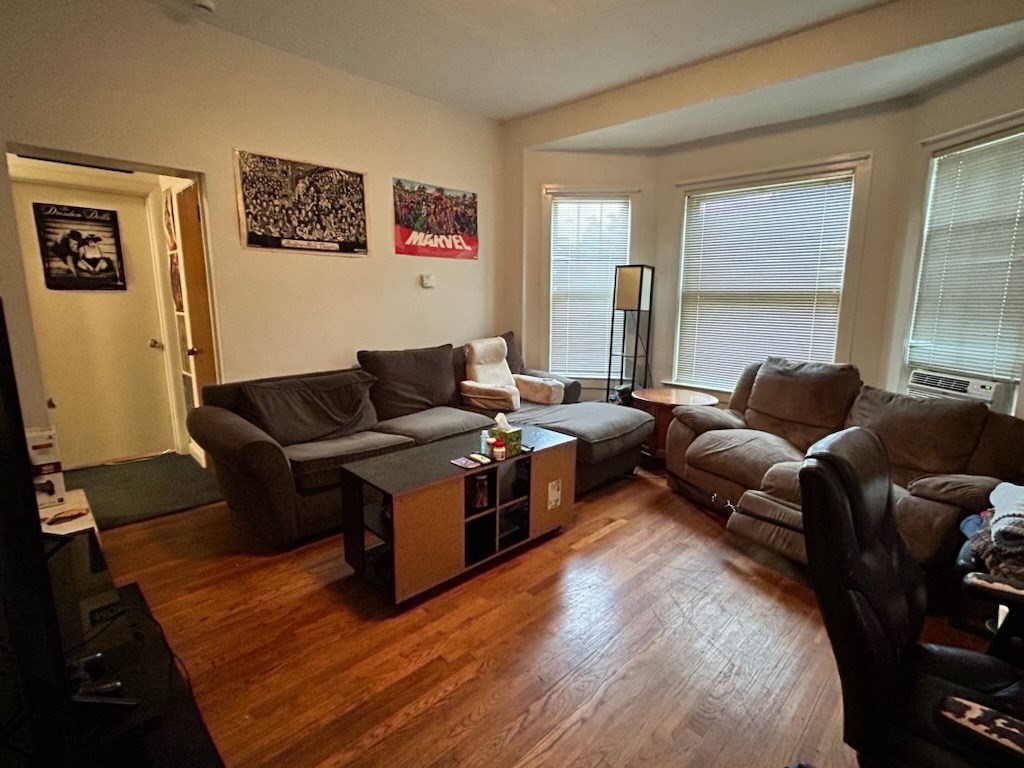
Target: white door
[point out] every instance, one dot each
(107, 384)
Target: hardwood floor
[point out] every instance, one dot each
(641, 636)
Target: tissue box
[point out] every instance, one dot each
(513, 438)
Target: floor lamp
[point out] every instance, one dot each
(631, 311)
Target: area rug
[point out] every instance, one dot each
(138, 490)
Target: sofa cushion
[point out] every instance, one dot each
(303, 409)
(1000, 450)
(782, 481)
(740, 455)
(409, 380)
(513, 356)
(930, 528)
(318, 465)
(801, 402)
(435, 423)
(602, 430)
(924, 435)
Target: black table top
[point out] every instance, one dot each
(406, 470)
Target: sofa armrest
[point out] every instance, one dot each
(702, 418)
(573, 388)
(996, 589)
(969, 492)
(225, 434)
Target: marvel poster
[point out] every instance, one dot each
(434, 221)
(300, 206)
(81, 248)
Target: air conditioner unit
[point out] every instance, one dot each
(998, 395)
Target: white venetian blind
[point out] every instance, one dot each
(762, 274)
(589, 237)
(969, 309)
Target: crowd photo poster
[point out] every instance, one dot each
(81, 248)
(434, 221)
(300, 206)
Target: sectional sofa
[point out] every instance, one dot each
(277, 445)
(946, 455)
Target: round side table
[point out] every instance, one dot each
(659, 402)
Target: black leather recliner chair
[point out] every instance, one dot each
(904, 703)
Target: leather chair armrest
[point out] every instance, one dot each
(702, 418)
(573, 388)
(969, 492)
(998, 734)
(996, 589)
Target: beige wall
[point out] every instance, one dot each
(120, 79)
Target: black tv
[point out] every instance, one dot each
(36, 714)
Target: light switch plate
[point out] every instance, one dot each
(554, 493)
(427, 281)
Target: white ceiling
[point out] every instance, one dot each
(870, 82)
(507, 58)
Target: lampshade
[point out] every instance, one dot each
(633, 283)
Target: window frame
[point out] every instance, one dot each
(941, 146)
(859, 166)
(549, 192)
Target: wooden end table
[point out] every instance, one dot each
(659, 402)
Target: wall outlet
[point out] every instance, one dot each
(554, 494)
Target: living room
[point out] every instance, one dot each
(867, 90)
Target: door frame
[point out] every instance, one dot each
(154, 209)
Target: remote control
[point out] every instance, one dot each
(479, 458)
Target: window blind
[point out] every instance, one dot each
(589, 237)
(969, 307)
(762, 274)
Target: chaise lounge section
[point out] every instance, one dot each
(277, 445)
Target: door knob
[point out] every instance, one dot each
(156, 344)
(192, 351)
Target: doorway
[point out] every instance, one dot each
(116, 274)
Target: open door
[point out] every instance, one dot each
(200, 361)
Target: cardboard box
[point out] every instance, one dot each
(47, 474)
(513, 439)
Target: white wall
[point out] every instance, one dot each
(139, 86)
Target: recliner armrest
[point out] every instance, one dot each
(703, 418)
(573, 388)
(996, 589)
(968, 492)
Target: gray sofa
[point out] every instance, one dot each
(946, 455)
(277, 445)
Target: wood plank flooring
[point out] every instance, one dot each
(644, 635)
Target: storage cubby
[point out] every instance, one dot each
(480, 491)
(513, 524)
(481, 538)
(513, 479)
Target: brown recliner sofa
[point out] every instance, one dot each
(947, 455)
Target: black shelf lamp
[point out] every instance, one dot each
(631, 311)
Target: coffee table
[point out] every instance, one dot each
(659, 402)
(413, 520)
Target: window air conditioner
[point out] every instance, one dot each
(998, 395)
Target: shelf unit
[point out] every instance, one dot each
(413, 520)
